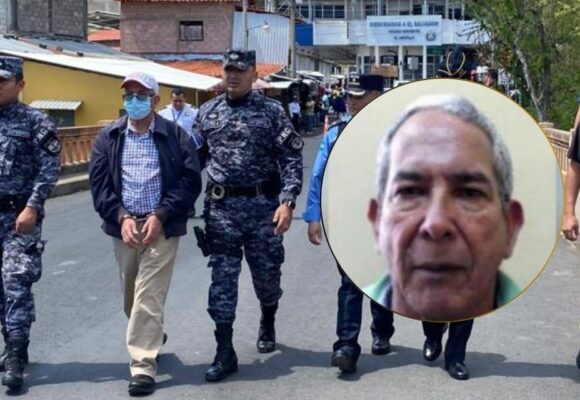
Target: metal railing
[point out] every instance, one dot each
(560, 141)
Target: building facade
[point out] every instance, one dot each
(406, 38)
(61, 18)
(176, 27)
(5, 16)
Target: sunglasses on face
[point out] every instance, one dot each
(138, 96)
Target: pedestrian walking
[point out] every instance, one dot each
(253, 158)
(144, 176)
(29, 167)
(346, 350)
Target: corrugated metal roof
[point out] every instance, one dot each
(19, 45)
(54, 46)
(87, 48)
(122, 67)
(56, 104)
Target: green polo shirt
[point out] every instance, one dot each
(507, 289)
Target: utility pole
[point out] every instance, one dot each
(292, 39)
(245, 23)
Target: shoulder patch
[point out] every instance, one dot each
(296, 143)
(46, 137)
(289, 138)
(53, 145)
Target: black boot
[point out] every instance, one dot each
(225, 361)
(16, 356)
(267, 334)
(4, 354)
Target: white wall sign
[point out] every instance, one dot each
(412, 30)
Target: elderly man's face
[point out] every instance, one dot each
(441, 227)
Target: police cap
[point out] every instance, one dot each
(239, 59)
(359, 85)
(10, 67)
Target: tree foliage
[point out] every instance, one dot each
(538, 42)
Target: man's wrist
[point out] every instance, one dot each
(125, 217)
(152, 214)
(290, 203)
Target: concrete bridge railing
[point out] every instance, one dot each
(77, 143)
(560, 141)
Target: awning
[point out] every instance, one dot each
(120, 68)
(70, 105)
(282, 85)
(314, 74)
(260, 84)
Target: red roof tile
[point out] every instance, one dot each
(214, 67)
(105, 35)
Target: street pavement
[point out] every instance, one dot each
(526, 350)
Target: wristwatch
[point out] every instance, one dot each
(290, 203)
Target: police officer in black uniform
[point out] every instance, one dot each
(253, 158)
(458, 64)
(29, 167)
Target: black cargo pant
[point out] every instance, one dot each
(459, 333)
(349, 317)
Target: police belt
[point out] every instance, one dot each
(219, 192)
(13, 203)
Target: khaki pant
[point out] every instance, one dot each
(145, 277)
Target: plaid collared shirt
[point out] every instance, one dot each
(141, 174)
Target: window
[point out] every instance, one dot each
(432, 9)
(388, 60)
(317, 11)
(370, 9)
(455, 13)
(437, 10)
(191, 31)
(302, 11)
(63, 118)
(329, 11)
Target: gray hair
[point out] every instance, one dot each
(462, 108)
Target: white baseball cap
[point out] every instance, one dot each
(144, 79)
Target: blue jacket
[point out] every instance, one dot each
(312, 211)
(180, 176)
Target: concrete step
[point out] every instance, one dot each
(71, 183)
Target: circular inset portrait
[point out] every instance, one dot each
(442, 200)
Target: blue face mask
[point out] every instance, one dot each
(137, 109)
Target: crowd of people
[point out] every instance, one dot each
(328, 99)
